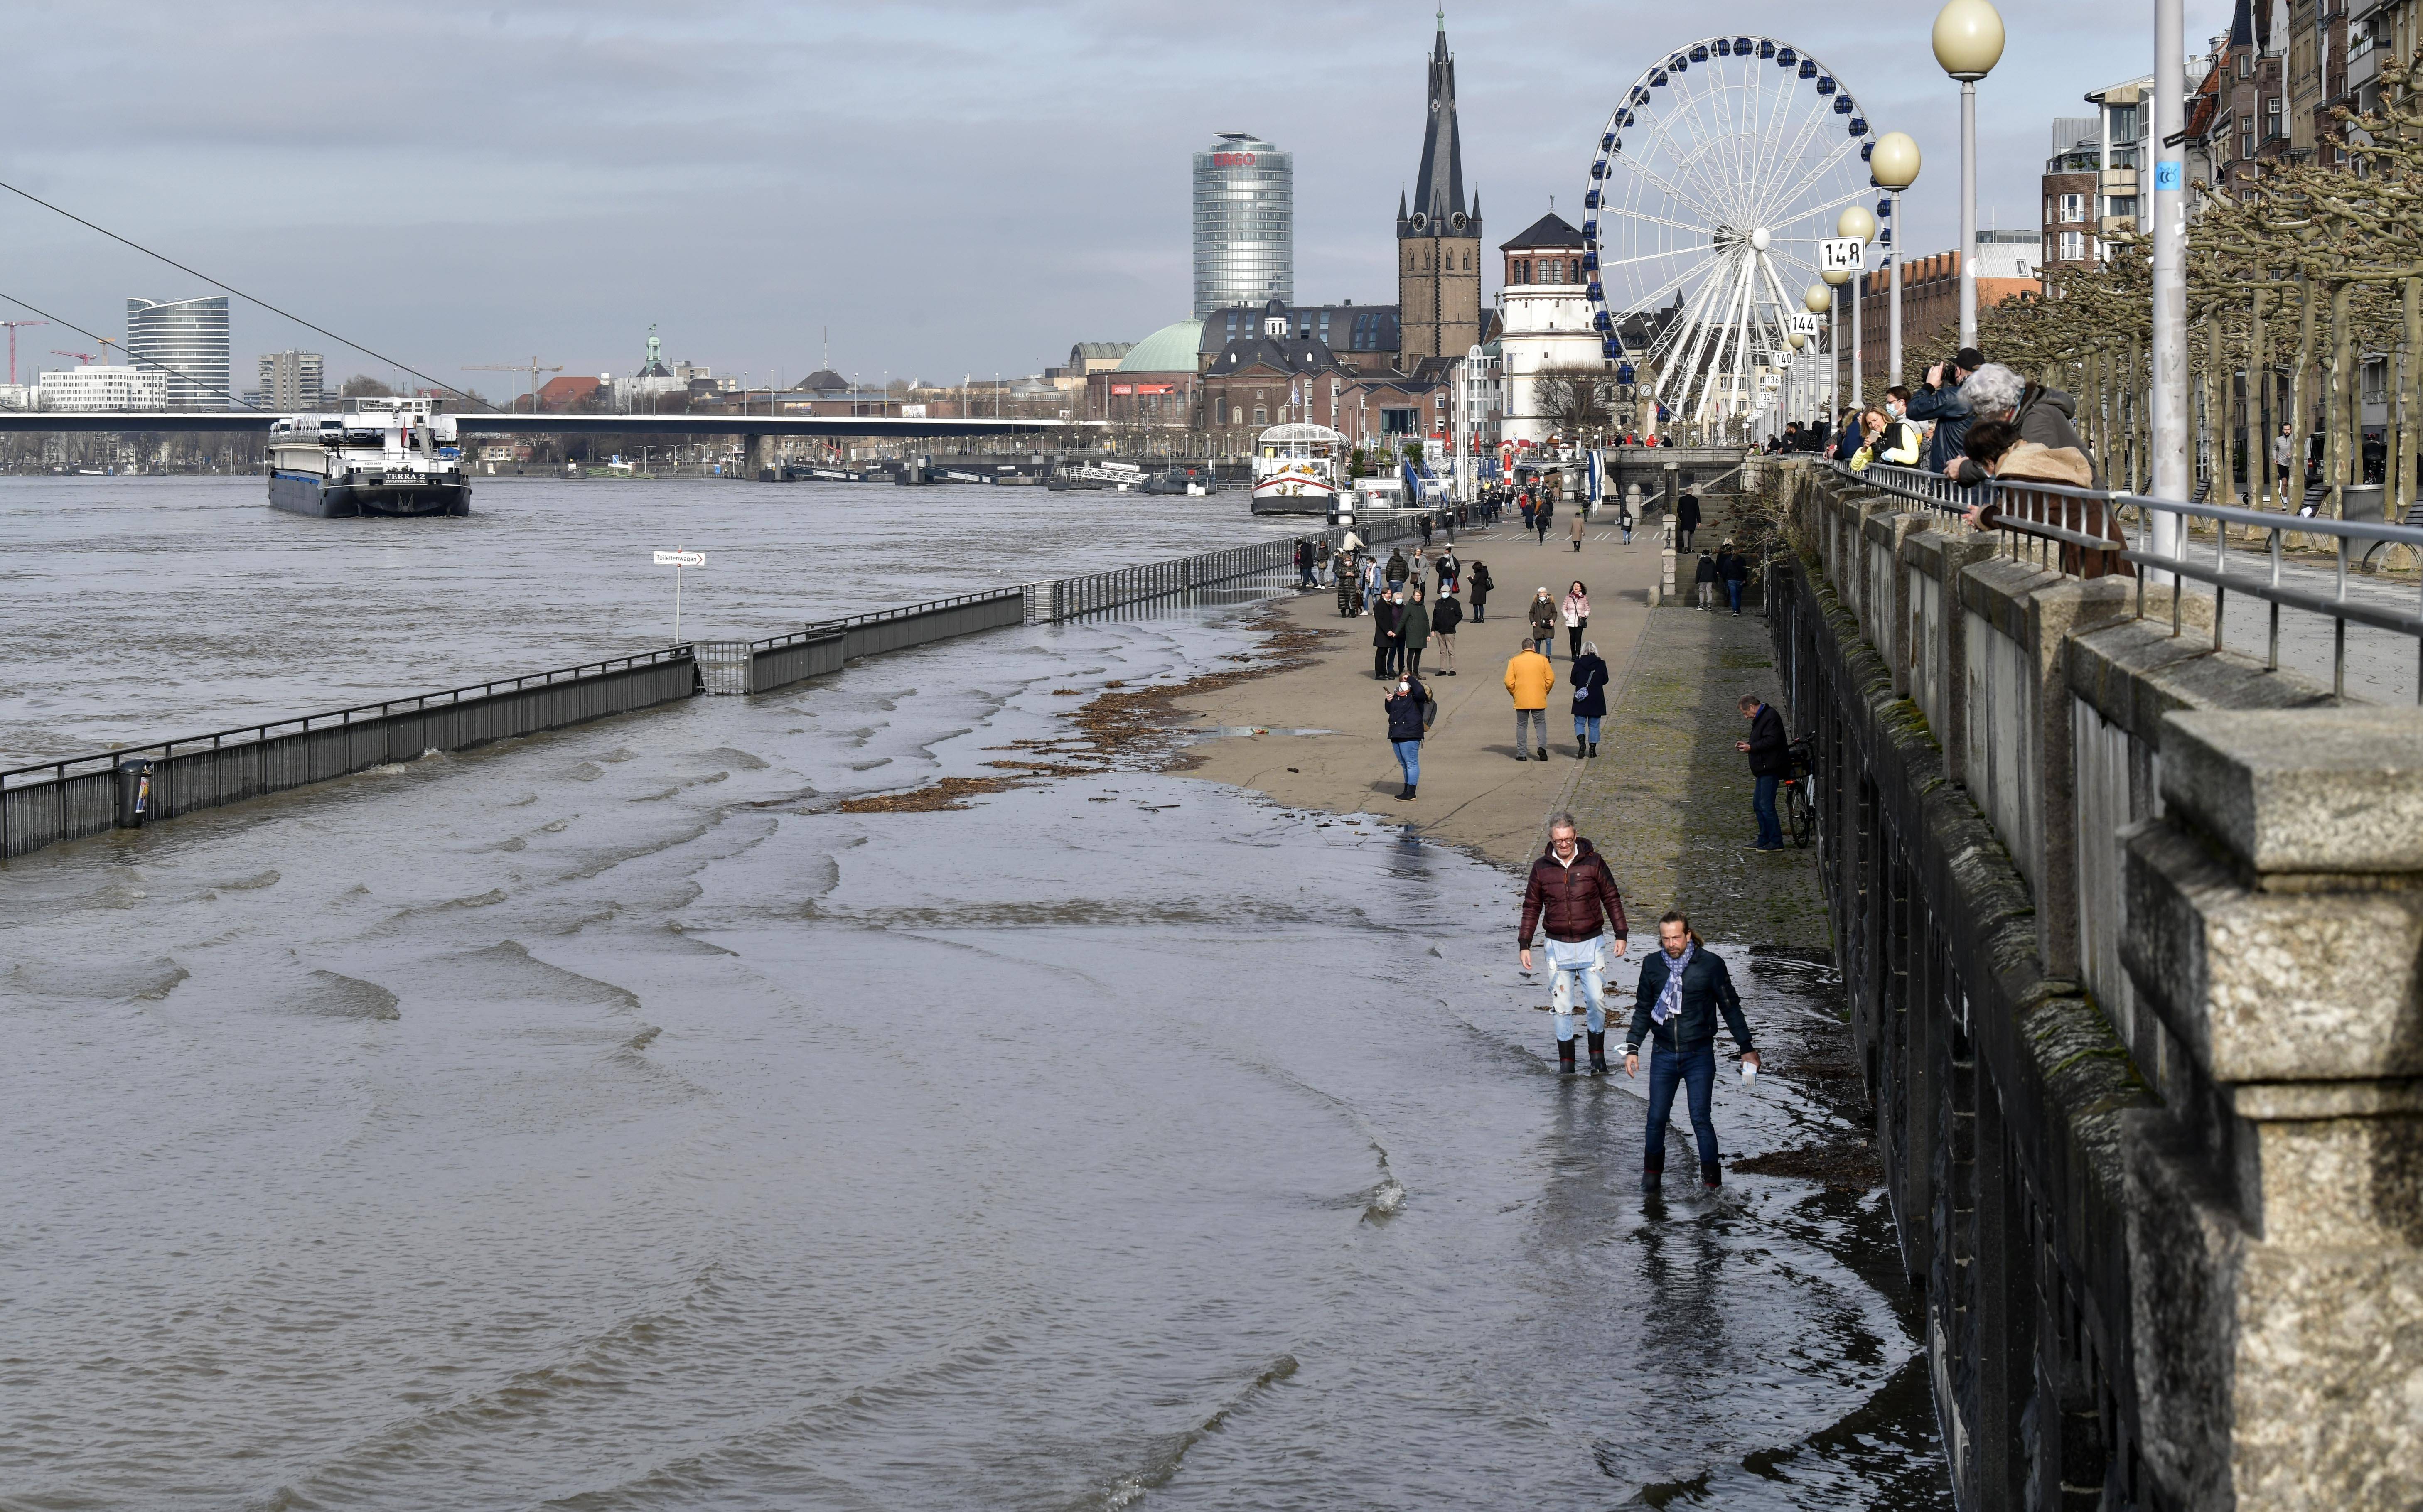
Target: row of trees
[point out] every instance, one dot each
(2299, 284)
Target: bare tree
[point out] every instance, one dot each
(1574, 400)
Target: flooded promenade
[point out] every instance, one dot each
(633, 1117)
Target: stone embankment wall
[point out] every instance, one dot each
(2132, 931)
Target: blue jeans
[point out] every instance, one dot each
(1762, 801)
(1409, 756)
(1695, 1067)
(1733, 591)
(1586, 726)
(1573, 969)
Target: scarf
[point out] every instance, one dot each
(1669, 999)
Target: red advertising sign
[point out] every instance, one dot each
(1232, 160)
(1156, 388)
(1122, 388)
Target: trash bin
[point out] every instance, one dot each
(133, 791)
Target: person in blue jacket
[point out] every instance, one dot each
(1683, 985)
(1943, 401)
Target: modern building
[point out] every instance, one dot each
(95, 387)
(1476, 409)
(1930, 299)
(1244, 224)
(1438, 235)
(1545, 313)
(186, 340)
(292, 383)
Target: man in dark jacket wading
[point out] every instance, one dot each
(1570, 888)
(1683, 985)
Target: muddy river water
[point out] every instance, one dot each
(610, 1120)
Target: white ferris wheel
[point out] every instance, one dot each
(1717, 175)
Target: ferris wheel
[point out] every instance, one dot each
(1717, 177)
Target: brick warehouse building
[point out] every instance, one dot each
(1930, 300)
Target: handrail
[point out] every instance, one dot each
(2021, 513)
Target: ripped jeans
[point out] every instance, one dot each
(1574, 963)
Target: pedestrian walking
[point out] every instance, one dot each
(1414, 631)
(2284, 457)
(1426, 530)
(1684, 987)
(1574, 610)
(1732, 570)
(1588, 676)
(1480, 587)
(1542, 515)
(1542, 616)
(1574, 530)
(1572, 892)
(1448, 569)
(1529, 677)
(1624, 518)
(1525, 504)
(1373, 585)
(1302, 562)
(1687, 519)
(1384, 644)
(1404, 705)
(1770, 760)
(1705, 577)
(1444, 620)
(1350, 585)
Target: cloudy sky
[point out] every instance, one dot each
(944, 187)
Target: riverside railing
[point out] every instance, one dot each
(78, 796)
(2035, 521)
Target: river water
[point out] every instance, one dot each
(608, 1120)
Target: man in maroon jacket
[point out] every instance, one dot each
(1570, 889)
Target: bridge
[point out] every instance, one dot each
(2132, 928)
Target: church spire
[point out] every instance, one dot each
(1438, 205)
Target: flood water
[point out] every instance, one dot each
(603, 1120)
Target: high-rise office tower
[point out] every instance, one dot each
(187, 339)
(1244, 224)
(292, 382)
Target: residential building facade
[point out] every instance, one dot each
(96, 387)
(293, 383)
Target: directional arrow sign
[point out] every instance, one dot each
(1842, 253)
(681, 559)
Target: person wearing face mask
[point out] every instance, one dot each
(1403, 705)
(1901, 442)
(1682, 989)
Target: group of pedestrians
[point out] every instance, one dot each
(1682, 989)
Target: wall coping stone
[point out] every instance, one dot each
(2334, 792)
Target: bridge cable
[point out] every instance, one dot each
(107, 343)
(238, 293)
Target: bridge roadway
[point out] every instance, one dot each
(863, 427)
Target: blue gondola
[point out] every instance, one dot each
(1765, 48)
(1597, 291)
(1657, 80)
(1808, 68)
(1724, 49)
(1741, 46)
(1860, 128)
(1826, 85)
(1598, 169)
(1603, 321)
(1867, 150)
(1842, 104)
(1699, 54)
(1589, 201)
(1590, 262)
(1787, 58)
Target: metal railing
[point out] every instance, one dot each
(2037, 521)
(1071, 598)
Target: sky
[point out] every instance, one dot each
(922, 189)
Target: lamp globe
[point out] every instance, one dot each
(1968, 37)
(1855, 224)
(1836, 277)
(1819, 299)
(1894, 165)
(1797, 341)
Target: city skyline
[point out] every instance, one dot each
(530, 224)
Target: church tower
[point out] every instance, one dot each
(1438, 235)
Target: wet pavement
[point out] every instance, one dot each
(610, 1120)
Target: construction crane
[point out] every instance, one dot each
(79, 356)
(12, 345)
(532, 367)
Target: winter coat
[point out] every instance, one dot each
(1405, 711)
(1480, 584)
(1707, 573)
(1529, 677)
(1732, 567)
(1948, 410)
(1577, 529)
(1396, 571)
(1576, 609)
(1542, 613)
(2043, 420)
(1707, 991)
(1416, 626)
(1589, 675)
(1570, 900)
(1385, 614)
(2027, 462)
(1770, 749)
(1687, 514)
(1449, 614)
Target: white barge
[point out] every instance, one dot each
(390, 457)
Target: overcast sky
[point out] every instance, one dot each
(946, 187)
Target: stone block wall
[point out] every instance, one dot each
(2132, 931)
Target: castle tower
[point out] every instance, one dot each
(1438, 235)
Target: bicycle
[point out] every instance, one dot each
(1800, 804)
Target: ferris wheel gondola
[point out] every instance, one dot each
(1717, 176)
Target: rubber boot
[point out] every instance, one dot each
(1581, 750)
(1652, 1173)
(1712, 1175)
(1594, 747)
(1565, 1057)
(1598, 1054)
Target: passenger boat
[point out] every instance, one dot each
(1298, 469)
(390, 457)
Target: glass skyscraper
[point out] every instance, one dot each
(187, 338)
(1244, 224)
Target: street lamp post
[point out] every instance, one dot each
(1894, 165)
(1819, 300)
(1855, 224)
(1967, 42)
(2170, 375)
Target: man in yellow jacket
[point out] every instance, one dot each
(1529, 677)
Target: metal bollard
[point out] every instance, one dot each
(133, 791)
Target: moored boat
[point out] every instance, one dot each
(1298, 469)
(390, 457)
